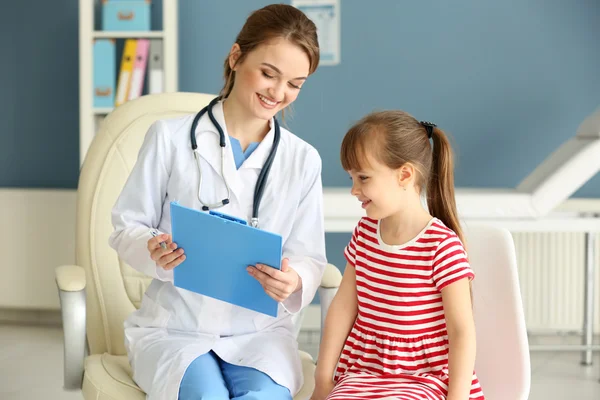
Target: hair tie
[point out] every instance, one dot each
(428, 127)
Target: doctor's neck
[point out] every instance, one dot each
(242, 125)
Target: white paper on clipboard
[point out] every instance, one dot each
(326, 16)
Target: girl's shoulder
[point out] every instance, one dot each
(440, 230)
(444, 238)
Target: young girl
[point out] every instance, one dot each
(182, 345)
(401, 325)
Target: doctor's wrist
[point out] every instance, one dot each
(298, 285)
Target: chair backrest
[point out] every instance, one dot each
(114, 289)
(502, 364)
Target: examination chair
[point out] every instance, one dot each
(98, 293)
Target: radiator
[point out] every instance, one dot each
(551, 272)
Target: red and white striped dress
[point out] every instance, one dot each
(398, 346)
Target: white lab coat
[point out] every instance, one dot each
(174, 326)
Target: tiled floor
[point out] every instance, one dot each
(31, 368)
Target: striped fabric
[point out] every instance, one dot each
(398, 346)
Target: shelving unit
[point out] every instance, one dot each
(125, 35)
(90, 117)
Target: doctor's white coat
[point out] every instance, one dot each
(174, 326)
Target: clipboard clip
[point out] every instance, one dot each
(227, 217)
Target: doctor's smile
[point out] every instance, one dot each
(267, 103)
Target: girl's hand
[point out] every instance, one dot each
(167, 258)
(277, 284)
(322, 390)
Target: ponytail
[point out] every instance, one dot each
(440, 189)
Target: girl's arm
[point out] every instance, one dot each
(338, 323)
(456, 299)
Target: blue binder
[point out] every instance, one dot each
(218, 250)
(105, 73)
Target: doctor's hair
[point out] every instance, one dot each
(395, 138)
(273, 22)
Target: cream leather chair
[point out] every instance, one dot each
(101, 291)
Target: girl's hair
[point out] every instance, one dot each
(273, 22)
(396, 138)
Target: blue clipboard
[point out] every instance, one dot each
(218, 250)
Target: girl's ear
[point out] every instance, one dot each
(406, 175)
(234, 55)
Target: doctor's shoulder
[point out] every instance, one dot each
(174, 130)
(303, 153)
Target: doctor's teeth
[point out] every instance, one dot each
(269, 102)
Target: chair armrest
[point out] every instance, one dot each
(332, 278)
(70, 280)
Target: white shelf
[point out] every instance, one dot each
(127, 34)
(90, 117)
(103, 110)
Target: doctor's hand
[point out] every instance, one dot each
(167, 258)
(277, 284)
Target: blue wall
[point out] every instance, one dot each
(510, 81)
(504, 93)
(39, 143)
(508, 95)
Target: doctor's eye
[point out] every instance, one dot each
(363, 178)
(267, 75)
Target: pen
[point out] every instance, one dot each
(155, 233)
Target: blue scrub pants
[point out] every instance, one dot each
(210, 378)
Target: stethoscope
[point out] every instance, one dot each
(262, 177)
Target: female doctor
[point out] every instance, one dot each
(183, 345)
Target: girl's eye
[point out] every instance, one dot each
(294, 86)
(267, 75)
(363, 178)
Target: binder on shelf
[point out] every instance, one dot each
(139, 69)
(126, 71)
(104, 72)
(155, 67)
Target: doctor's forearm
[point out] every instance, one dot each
(131, 246)
(299, 285)
(310, 271)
